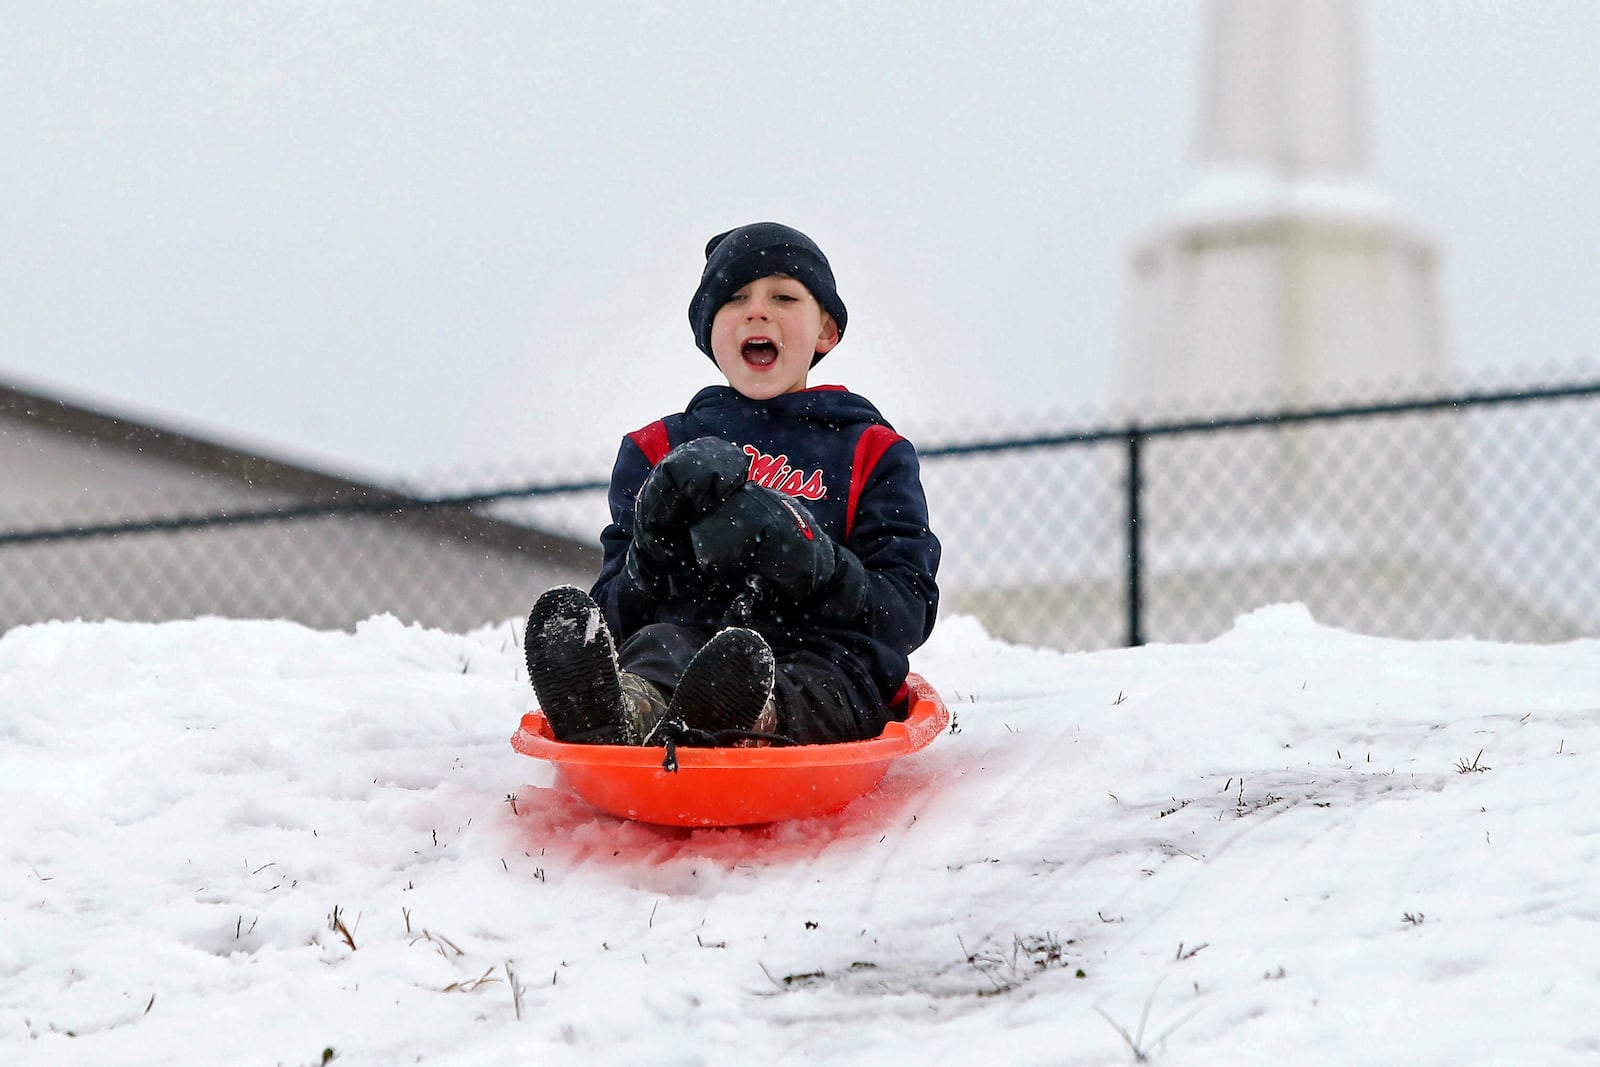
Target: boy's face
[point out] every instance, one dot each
(766, 335)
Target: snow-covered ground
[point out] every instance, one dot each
(249, 842)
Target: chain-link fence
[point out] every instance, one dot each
(1466, 515)
(1475, 514)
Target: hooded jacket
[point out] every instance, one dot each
(859, 479)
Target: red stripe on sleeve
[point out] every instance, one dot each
(870, 447)
(652, 441)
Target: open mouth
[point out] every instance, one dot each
(759, 352)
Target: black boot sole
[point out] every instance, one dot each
(572, 664)
(727, 684)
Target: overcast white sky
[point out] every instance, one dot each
(401, 236)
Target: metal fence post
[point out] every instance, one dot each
(1135, 594)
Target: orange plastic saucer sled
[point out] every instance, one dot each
(733, 786)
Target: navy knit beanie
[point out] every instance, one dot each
(738, 257)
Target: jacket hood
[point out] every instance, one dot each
(822, 404)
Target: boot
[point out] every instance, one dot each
(728, 684)
(572, 664)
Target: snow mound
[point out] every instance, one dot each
(253, 842)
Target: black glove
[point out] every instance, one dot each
(765, 532)
(688, 484)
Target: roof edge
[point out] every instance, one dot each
(268, 473)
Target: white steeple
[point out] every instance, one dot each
(1283, 278)
(1283, 87)
(1282, 275)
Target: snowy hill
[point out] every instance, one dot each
(250, 842)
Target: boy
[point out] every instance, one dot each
(741, 612)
